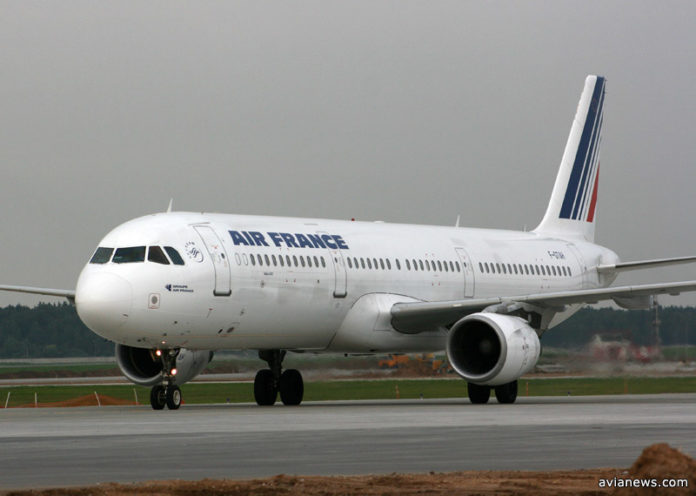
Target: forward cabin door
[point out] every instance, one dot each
(221, 262)
(468, 271)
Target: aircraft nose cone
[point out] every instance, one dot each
(103, 301)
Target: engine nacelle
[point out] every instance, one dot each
(141, 366)
(492, 349)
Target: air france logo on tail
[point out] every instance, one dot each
(581, 194)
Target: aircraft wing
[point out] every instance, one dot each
(64, 293)
(412, 318)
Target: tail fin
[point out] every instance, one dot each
(571, 210)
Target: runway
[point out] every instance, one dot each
(78, 446)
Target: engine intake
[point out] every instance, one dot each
(142, 367)
(492, 349)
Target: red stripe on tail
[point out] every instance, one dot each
(593, 204)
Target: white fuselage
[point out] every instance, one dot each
(251, 282)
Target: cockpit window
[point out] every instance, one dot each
(174, 255)
(102, 255)
(129, 255)
(155, 254)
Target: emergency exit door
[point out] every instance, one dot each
(468, 271)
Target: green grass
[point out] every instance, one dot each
(679, 352)
(360, 390)
(49, 370)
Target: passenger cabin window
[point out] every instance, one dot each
(102, 255)
(131, 254)
(174, 255)
(155, 254)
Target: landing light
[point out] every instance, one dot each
(158, 353)
(173, 372)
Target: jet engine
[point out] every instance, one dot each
(492, 349)
(143, 367)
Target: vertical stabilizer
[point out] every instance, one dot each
(571, 210)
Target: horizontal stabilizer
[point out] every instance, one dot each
(644, 264)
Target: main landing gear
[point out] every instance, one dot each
(273, 380)
(167, 394)
(506, 393)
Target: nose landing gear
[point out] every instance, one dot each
(167, 394)
(269, 382)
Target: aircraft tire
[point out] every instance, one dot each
(478, 395)
(173, 397)
(158, 397)
(291, 387)
(507, 393)
(265, 391)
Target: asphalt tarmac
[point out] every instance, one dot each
(49, 447)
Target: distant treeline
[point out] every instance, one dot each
(677, 326)
(48, 330)
(54, 330)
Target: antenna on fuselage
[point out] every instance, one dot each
(171, 204)
(456, 224)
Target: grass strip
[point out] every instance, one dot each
(235, 392)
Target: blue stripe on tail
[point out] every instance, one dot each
(588, 168)
(577, 184)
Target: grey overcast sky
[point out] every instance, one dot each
(404, 111)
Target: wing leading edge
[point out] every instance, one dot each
(413, 318)
(63, 293)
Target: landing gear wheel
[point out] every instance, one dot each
(158, 397)
(507, 393)
(173, 397)
(478, 395)
(291, 387)
(265, 391)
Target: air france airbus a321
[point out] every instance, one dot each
(170, 288)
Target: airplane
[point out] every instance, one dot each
(171, 288)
